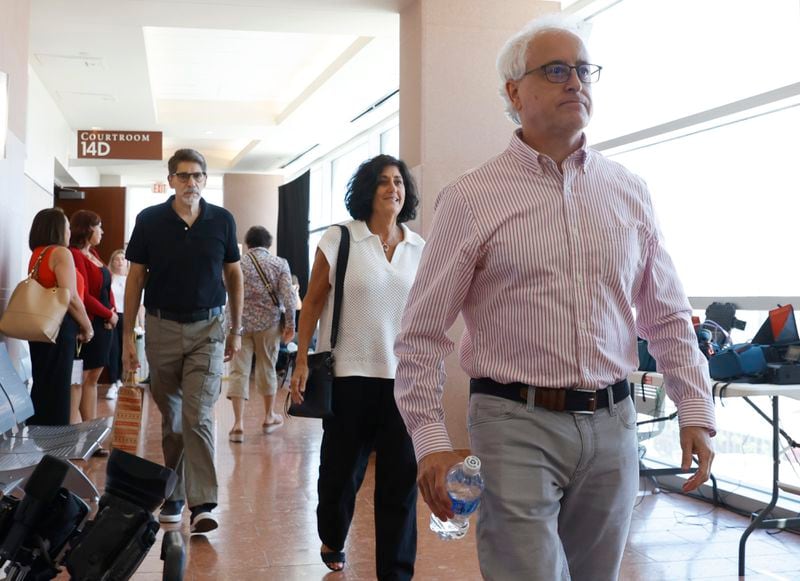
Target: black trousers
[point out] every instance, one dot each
(51, 368)
(366, 418)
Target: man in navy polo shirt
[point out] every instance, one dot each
(180, 253)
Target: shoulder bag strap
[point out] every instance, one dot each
(341, 267)
(264, 279)
(34, 273)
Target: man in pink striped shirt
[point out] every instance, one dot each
(546, 250)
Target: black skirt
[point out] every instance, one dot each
(95, 353)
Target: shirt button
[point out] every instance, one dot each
(185, 227)
(580, 278)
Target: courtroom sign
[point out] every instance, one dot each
(105, 144)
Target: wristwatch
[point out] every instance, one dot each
(237, 331)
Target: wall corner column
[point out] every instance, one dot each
(451, 116)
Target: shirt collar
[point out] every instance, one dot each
(206, 209)
(533, 159)
(359, 232)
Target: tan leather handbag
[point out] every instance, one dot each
(35, 313)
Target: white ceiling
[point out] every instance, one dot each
(250, 83)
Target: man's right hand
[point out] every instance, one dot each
(431, 474)
(130, 359)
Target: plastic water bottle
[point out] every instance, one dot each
(464, 486)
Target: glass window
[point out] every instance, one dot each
(666, 59)
(390, 141)
(728, 210)
(342, 169)
(743, 444)
(136, 200)
(316, 208)
(724, 190)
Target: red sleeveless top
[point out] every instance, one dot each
(47, 278)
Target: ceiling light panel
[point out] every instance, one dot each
(231, 65)
(85, 97)
(71, 63)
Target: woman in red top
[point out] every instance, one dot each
(87, 231)
(51, 363)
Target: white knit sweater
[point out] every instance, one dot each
(375, 293)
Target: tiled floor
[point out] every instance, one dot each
(268, 531)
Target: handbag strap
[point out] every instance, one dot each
(34, 273)
(341, 267)
(264, 279)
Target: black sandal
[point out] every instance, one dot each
(331, 557)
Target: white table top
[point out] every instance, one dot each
(753, 389)
(733, 389)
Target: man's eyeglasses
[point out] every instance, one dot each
(561, 72)
(197, 176)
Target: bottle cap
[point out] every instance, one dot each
(472, 465)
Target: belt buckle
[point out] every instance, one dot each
(592, 402)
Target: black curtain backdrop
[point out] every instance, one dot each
(293, 227)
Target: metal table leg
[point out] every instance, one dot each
(761, 521)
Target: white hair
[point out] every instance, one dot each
(511, 59)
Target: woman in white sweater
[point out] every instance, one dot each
(383, 260)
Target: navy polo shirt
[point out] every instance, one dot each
(184, 262)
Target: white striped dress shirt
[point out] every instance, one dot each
(546, 267)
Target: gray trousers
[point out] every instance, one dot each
(185, 380)
(560, 489)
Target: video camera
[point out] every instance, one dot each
(49, 526)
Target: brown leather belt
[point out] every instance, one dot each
(581, 401)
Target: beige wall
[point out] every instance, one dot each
(50, 142)
(451, 117)
(253, 201)
(16, 213)
(14, 27)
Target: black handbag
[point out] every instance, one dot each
(318, 396)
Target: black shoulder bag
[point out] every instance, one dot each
(318, 397)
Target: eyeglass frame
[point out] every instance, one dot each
(189, 174)
(571, 68)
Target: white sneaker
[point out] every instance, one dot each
(112, 390)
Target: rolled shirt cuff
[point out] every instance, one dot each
(431, 438)
(697, 413)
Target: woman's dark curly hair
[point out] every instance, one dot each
(361, 189)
